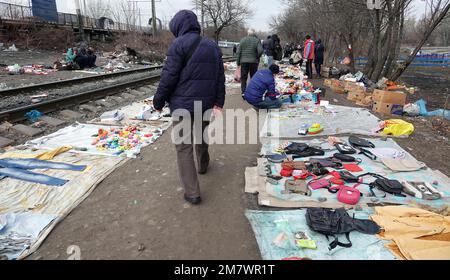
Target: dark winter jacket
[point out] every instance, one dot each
(262, 84)
(320, 50)
(250, 50)
(202, 79)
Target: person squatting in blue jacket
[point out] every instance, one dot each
(261, 92)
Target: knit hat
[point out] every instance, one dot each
(274, 69)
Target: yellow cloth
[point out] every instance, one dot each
(416, 233)
(52, 154)
(44, 156)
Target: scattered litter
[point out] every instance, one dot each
(33, 116)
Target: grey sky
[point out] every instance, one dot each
(263, 9)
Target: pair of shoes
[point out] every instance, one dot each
(193, 200)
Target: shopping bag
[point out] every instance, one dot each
(237, 74)
(398, 128)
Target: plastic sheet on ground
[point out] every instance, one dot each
(268, 191)
(20, 231)
(28, 198)
(132, 111)
(336, 120)
(80, 136)
(365, 247)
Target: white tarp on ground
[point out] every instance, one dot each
(336, 120)
(81, 136)
(268, 191)
(55, 202)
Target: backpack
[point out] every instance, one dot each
(333, 222)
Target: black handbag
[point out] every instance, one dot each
(301, 150)
(386, 185)
(345, 149)
(360, 143)
(346, 158)
(333, 222)
(393, 187)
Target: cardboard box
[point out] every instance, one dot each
(391, 97)
(337, 86)
(387, 108)
(366, 102)
(356, 95)
(351, 86)
(325, 72)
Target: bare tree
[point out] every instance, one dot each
(377, 33)
(224, 13)
(98, 9)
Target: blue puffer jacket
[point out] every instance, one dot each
(202, 79)
(262, 83)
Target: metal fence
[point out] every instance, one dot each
(424, 60)
(15, 12)
(18, 12)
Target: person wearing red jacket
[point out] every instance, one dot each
(309, 55)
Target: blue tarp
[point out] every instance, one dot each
(365, 247)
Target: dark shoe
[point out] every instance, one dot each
(193, 200)
(203, 172)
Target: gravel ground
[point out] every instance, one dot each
(37, 57)
(20, 100)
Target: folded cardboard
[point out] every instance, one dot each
(337, 86)
(356, 95)
(391, 97)
(387, 108)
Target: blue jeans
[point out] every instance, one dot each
(269, 104)
(27, 176)
(18, 169)
(39, 164)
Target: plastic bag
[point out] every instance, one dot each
(398, 128)
(237, 74)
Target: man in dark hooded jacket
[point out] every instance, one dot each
(193, 74)
(319, 52)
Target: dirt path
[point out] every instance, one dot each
(140, 205)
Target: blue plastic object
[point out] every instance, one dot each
(438, 113)
(33, 116)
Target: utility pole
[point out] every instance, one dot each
(203, 17)
(80, 19)
(154, 19)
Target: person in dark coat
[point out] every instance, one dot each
(318, 61)
(261, 92)
(187, 84)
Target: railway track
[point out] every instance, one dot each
(17, 114)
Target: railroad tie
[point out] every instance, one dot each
(137, 93)
(27, 130)
(127, 96)
(52, 121)
(71, 115)
(104, 103)
(5, 142)
(88, 108)
(116, 99)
